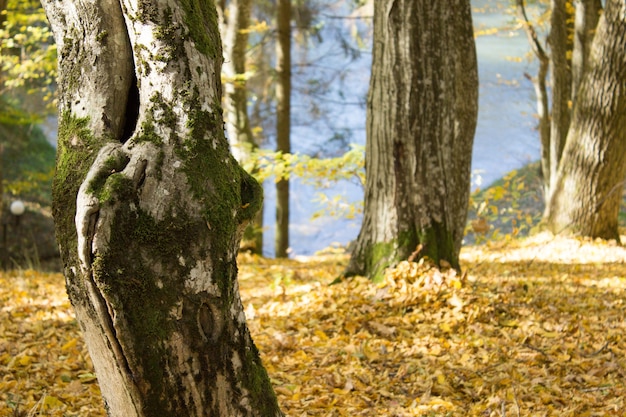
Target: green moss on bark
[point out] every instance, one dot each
(77, 148)
(199, 16)
(382, 255)
(436, 243)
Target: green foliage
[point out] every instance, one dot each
(28, 58)
(321, 173)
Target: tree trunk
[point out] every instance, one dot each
(149, 207)
(421, 118)
(589, 185)
(283, 123)
(541, 92)
(561, 74)
(235, 22)
(586, 21)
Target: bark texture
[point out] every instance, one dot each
(149, 208)
(589, 184)
(560, 41)
(587, 16)
(421, 119)
(283, 121)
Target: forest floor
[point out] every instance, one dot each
(533, 327)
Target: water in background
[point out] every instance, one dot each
(505, 136)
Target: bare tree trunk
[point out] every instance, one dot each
(561, 74)
(149, 207)
(421, 118)
(235, 22)
(283, 123)
(586, 21)
(541, 92)
(590, 179)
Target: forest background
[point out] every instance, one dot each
(331, 71)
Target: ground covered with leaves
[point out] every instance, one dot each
(532, 328)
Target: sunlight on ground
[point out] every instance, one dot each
(534, 328)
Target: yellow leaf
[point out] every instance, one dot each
(69, 345)
(25, 360)
(320, 334)
(441, 379)
(52, 402)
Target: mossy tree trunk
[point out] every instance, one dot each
(590, 180)
(149, 208)
(421, 119)
(234, 27)
(283, 121)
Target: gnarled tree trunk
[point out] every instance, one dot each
(149, 207)
(421, 119)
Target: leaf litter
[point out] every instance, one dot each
(532, 327)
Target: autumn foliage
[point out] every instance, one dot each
(533, 328)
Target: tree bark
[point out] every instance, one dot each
(235, 23)
(421, 119)
(149, 207)
(560, 43)
(590, 179)
(283, 122)
(586, 20)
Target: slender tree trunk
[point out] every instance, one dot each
(590, 179)
(586, 21)
(283, 123)
(421, 118)
(149, 207)
(561, 27)
(541, 92)
(235, 22)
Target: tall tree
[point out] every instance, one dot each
(572, 26)
(590, 180)
(150, 205)
(235, 28)
(560, 43)
(283, 121)
(421, 117)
